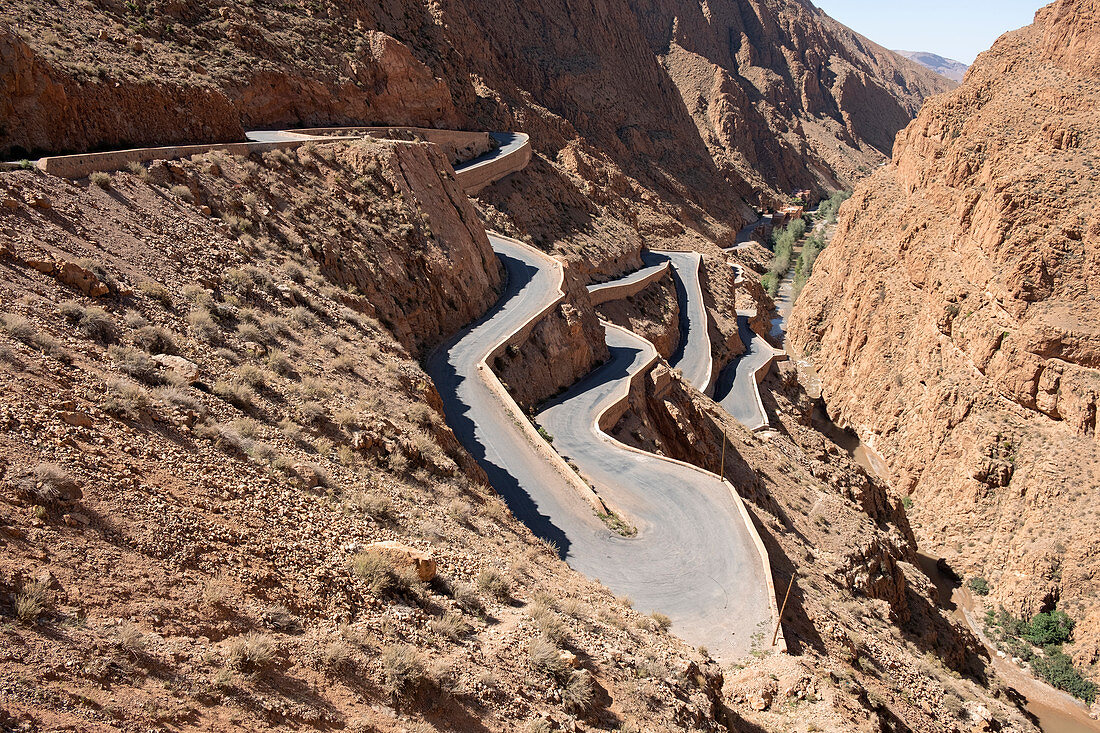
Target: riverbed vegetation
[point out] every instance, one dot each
(783, 241)
(1038, 642)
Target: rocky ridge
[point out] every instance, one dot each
(953, 319)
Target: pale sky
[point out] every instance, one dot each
(957, 29)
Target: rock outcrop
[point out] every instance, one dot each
(737, 95)
(955, 324)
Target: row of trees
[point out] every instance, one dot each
(784, 240)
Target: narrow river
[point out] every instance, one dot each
(1054, 711)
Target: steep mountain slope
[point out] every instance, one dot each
(952, 69)
(956, 325)
(651, 119)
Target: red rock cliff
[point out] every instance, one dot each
(955, 319)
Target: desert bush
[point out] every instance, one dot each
(138, 169)
(336, 657)
(304, 317)
(312, 413)
(135, 363)
(251, 653)
(32, 603)
(493, 583)
(280, 363)
(467, 598)
(237, 394)
(155, 291)
(251, 332)
(101, 179)
(253, 376)
(47, 483)
(224, 436)
(379, 573)
(377, 506)
(18, 327)
(577, 693)
(155, 340)
(538, 725)
(125, 399)
(204, 327)
(135, 320)
(548, 623)
(275, 326)
(97, 324)
(545, 657)
(182, 192)
(664, 623)
(402, 667)
(452, 626)
(130, 638)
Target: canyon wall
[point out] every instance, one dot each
(733, 106)
(955, 320)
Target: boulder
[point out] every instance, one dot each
(83, 280)
(423, 562)
(187, 370)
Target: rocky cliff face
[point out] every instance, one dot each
(737, 94)
(955, 321)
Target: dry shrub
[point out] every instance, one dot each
(664, 623)
(130, 638)
(101, 179)
(237, 394)
(183, 192)
(378, 507)
(379, 573)
(336, 657)
(155, 291)
(492, 583)
(253, 376)
(545, 657)
(577, 693)
(403, 667)
(135, 363)
(125, 399)
(312, 413)
(204, 327)
(467, 599)
(47, 483)
(32, 603)
(452, 626)
(155, 340)
(280, 363)
(251, 653)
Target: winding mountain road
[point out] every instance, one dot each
(693, 356)
(694, 557)
(737, 389)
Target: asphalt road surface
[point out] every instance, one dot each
(693, 557)
(693, 356)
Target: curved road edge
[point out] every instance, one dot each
(694, 357)
(492, 381)
(601, 425)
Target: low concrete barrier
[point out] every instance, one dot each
(475, 177)
(84, 164)
(459, 146)
(624, 288)
(520, 334)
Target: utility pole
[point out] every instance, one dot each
(775, 636)
(722, 465)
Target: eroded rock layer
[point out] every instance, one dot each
(956, 325)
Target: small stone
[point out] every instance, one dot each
(10, 203)
(77, 419)
(41, 202)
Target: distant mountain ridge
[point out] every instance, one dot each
(952, 69)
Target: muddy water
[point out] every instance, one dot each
(1053, 711)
